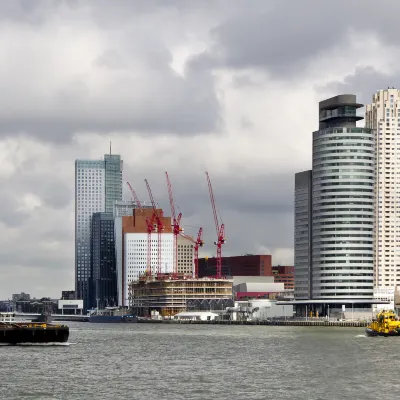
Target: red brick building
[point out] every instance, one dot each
(248, 265)
(284, 274)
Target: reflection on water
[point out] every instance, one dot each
(152, 362)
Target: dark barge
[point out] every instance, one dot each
(12, 332)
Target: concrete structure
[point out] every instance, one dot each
(383, 115)
(303, 235)
(254, 287)
(104, 274)
(342, 211)
(185, 256)
(170, 296)
(248, 265)
(70, 306)
(258, 310)
(98, 184)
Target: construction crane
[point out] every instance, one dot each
(135, 198)
(219, 228)
(150, 228)
(159, 226)
(199, 242)
(176, 228)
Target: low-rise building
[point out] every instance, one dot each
(246, 265)
(171, 296)
(284, 274)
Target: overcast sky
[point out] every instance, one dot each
(184, 86)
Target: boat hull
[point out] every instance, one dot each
(372, 333)
(15, 334)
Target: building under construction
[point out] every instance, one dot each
(170, 296)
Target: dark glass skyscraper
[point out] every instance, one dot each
(104, 274)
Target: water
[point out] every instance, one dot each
(199, 362)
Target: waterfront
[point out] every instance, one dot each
(198, 362)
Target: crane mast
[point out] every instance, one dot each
(220, 229)
(160, 227)
(176, 229)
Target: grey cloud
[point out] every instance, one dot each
(283, 39)
(9, 213)
(364, 83)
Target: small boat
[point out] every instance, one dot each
(386, 324)
(12, 332)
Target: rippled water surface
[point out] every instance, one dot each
(157, 361)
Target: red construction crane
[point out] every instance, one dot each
(160, 227)
(150, 228)
(135, 198)
(219, 228)
(176, 229)
(199, 242)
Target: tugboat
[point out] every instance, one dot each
(386, 324)
(12, 332)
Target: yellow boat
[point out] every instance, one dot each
(386, 324)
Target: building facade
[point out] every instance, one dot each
(342, 211)
(247, 265)
(136, 254)
(303, 234)
(123, 208)
(185, 256)
(383, 116)
(284, 274)
(104, 274)
(97, 186)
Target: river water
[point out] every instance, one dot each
(199, 362)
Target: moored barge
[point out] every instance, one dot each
(12, 332)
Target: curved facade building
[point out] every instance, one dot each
(343, 203)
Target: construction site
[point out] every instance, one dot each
(169, 296)
(161, 263)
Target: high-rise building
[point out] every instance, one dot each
(104, 274)
(383, 115)
(98, 184)
(303, 234)
(342, 209)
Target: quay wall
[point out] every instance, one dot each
(344, 324)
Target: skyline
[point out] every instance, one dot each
(242, 109)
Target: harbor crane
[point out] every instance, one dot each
(219, 228)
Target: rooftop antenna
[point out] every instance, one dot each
(110, 148)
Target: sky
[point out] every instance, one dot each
(227, 86)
